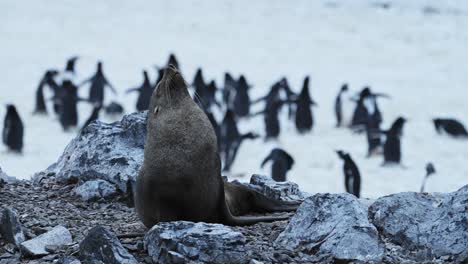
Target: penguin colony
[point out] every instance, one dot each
(233, 100)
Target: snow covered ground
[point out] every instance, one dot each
(415, 51)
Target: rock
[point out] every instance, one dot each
(188, 242)
(335, 225)
(101, 245)
(286, 191)
(95, 190)
(10, 227)
(111, 152)
(425, 222)
(58, 236)
(4, 178)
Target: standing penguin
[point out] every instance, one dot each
(429, 171)
(351, 172)
(230, 87)
(242, 99)
(339, 105)
(392, 146)
(304, 118)
(361, 113)
(13, 130)
(98, 83)
(145, 91)
(282, 163)
(231, 139)
(47, 79)
(68, 115)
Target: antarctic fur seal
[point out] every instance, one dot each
(180, 178)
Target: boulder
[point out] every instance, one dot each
(95, 190)
(434, 223)
(10, 227)
(285, 191)
(188, 242)
(58, 236)
(336, 225)
(102, 246)
(111, 152)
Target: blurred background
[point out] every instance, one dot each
(414, 51)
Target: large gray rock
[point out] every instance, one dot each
(285, 191)
(437, 223)
(188, 242)
(58, 236)
(10, 227)
(95, 190)
(111, 152)
(336, 225)
(102, 246)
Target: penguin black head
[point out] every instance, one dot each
(365, 92)
(397, 126)
(51, 73)
(145, 75)
(430, 169)
(344, 87)
(11, 109)
(243, 85)
(306, 83)
(229, 115)
(99, 66)
(437, 124)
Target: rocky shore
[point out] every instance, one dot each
(79, 210)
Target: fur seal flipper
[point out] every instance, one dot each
(181, 174)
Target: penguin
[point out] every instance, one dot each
(231, 139)
(339, 105)
(374, 119)
(282, 163)
(290, 97)
(47, 79)
(270, 114)
(13, 130)
(392, 145)
(114, 108)
(361, 113)
(230, 87)
(145, 91)
(211, 95)
(351, 172)
(173, 61)
(364, 107)
(430, 169)
(98, 83)
(450, 126)
(241, 102)
(304, 117)
(68, 115)
(94, 116)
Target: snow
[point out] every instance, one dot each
(417, 58)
